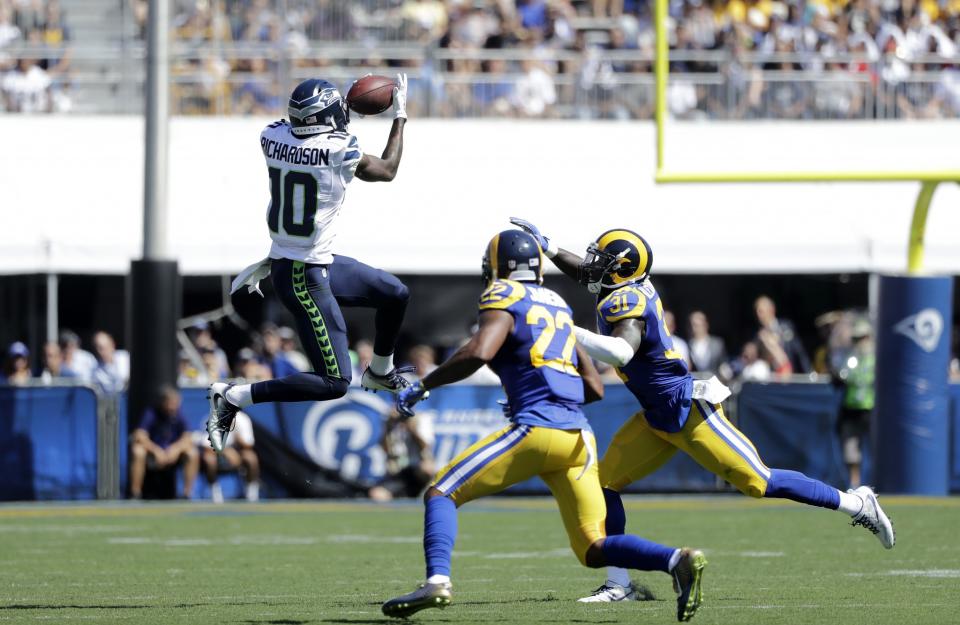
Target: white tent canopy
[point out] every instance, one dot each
(72, 194)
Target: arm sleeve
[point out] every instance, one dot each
(612, 350)
(351, 159)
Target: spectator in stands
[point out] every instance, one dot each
(363, 349)
(856, 376)
(53, 368)
(27, 88)
(249, 366)
(288, 346)
(202, 338)
(779, 334)
(16, 370)
(188, 374)
(77, 362)
(408, 445)
(113, 365)
(279, 365)
(679, 345)
(162, 441)
(750, 367)
(707, 352)
(535, 93)
(423, 358)
(238, 454)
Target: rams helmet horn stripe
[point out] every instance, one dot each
(643, 251)
(513, 255)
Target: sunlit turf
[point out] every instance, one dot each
(297, 563)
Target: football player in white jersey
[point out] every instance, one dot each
(310, 160)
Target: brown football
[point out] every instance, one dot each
(371, 95)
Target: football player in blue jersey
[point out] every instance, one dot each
(310, 161)
(526, 336)
(676, 412)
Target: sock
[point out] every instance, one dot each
(438, 579)
(616, 515)
(616, 525)
(439, 534)
(674, 559)
(253, 491)
(850, 503)
(796, 486)
(381, 365)
(632, 552)
(239, 395)
(216, 493)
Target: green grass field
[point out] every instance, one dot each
(297, 563)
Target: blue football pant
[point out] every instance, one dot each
(313, 295)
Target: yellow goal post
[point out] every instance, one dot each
(928, 179)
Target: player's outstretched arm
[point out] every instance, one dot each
(384, 169)
(617, 349)
(495, 326)
(567, 262)
(592, 384)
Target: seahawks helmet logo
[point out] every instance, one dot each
(923, 328)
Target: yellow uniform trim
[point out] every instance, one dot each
(638, 450)
(502, 294)
(558, 457)
(620, 308)
(626, 235)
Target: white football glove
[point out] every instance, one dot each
(400, 97)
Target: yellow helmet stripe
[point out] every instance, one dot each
(492, 252)
(626, 235)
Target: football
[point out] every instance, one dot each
(371, 95)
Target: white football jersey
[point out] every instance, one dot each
(308, 181)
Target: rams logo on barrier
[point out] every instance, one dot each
(344, 434)
(923, 328)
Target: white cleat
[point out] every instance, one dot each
(610, 592)
(222, 412)
(873, 518)
(393, 381)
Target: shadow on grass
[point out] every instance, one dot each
(278, 621)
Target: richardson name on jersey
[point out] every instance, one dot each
(295, 155)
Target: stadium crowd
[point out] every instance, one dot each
(34, 57)
(751, 58)
(732, 59)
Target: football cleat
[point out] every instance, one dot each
(611, 591)
(393, 381)
(222, 412)
(425, 596)
(873, 518)
(687, 575)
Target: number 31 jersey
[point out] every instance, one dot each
(308, 181)
(537, 363)
(657, 374)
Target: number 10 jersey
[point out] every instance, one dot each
(308, 182)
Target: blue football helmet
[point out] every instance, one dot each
(513, 255)
(316, 106)
(618, 257)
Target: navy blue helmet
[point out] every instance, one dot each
(316, 106)
(513, 255)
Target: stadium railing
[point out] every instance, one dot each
(214, 78)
